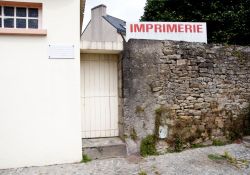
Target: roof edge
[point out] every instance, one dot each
(116, 18)
(118, 31)
(101, 5)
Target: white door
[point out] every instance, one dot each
(99, 95)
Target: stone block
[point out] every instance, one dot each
(175, 106)
(197, 141)
(203, 70)
(173, 57)
(201, 128)
(185, 117)
(207, 143)
(190, 98)
(195, 85)
(199, 105)
(168, 51)
(181, 62)
(219, 122)
(156, 89)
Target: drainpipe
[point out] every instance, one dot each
(124, 44)
(122, 87)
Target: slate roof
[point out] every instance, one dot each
(117, 23)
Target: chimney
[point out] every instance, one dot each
(98, 11)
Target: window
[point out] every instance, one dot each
(0, 16)
(19, 17)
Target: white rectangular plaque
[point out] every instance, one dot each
(60, 51)
(177, 31)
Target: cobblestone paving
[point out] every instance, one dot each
(191, 162)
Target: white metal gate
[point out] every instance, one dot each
(99, 95)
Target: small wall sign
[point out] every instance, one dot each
(163, 132)
(176, 31)
(60, 51)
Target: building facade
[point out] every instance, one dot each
(40, 118)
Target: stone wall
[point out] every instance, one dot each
(189, 92)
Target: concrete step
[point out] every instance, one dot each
(246, 141)
(102, 148)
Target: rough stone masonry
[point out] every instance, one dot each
(192, 92)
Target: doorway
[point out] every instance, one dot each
(99, 95)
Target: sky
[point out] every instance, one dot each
(127, 10)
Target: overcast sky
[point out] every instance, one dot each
(128, 10)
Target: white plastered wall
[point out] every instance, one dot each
(100, 36)
(40, 122)
(99, 29)
(105, 32)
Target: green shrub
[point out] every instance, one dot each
(218, 142)
(247, 121)
(85, 158)
(178, 147)
(148, 146)
(142, 173)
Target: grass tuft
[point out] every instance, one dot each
(218, 143)
(142, 173)
(147, 147)
(85, 158)
(133, 134)
(229, 158)
(215, 157)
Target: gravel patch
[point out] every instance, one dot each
(193, 162)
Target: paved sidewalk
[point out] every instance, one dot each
(193, 162)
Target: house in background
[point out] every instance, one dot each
(104, 33)
(101, 85)
(40, 118)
